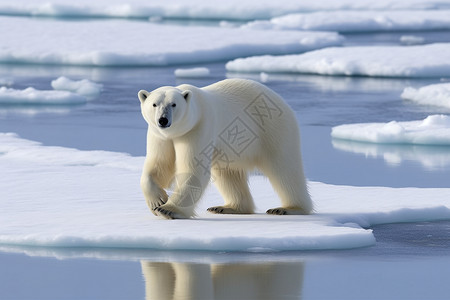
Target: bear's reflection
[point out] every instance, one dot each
(222, 281)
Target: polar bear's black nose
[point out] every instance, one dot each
(163, 122)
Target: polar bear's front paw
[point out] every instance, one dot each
(168, 212)
(157, 200)
(157, 203)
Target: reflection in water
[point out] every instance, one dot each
(431, 157)
(222, 281)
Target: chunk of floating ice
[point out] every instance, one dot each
(412, 40)
(434, 130)
(83, 87)
(431, 158)
(90, 43)
(359, 21)
(380, 61)
(33, 96)
(42, 206)
(6, 82)
(434, 94)
(192, 72)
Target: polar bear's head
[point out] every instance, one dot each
(167, 111)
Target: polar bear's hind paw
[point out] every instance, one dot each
(286, 211)
(277, 211)
(224, 210)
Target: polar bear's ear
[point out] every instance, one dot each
(186, 95)
(143, 94)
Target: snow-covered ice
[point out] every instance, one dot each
(202, 9)
(83, 87)
(434, 94)
(33, 96)
(43, 41)
(358, 21)
(434, 130)
(55, 196)
(381, 61)
(192, 72)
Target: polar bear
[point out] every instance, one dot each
(220, 132)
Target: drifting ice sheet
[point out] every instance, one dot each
(381, 61)
(434, 130)
(54, 196)
(83, 87)
(206, 9)
(42, 41)
(192, 73)
(33, 96)
(359, 21)
(434, 94)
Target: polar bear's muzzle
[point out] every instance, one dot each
(164, 122)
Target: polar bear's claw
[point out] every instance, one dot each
(164, 213)
(216, 209)
(223, 210)
(277, 211)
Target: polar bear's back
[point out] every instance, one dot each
(242, 90)
(253, 119)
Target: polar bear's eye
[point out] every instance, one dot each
(173, 105)
(154, 105)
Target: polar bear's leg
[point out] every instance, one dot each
(233, 186)
(288, 181)
(190, 181)
(158, 171)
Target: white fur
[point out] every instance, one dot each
(220, 132)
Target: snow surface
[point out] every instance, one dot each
(434, 94)
(192, 72)
(358, 21)
(381, 61)
(83, 87)
(43, 41)
(434, 130)
(201, 9)
(60, 197)
(33, 96)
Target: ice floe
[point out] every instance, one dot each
(412, 40)
(192, 72)
(358, 21)
(43, 41)
(201, 9)
(380, 61)
(434, 130)
(83, 87)
(430, 157)
(434, 94)
(6, 82)
(60, 197)
(32, 96)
